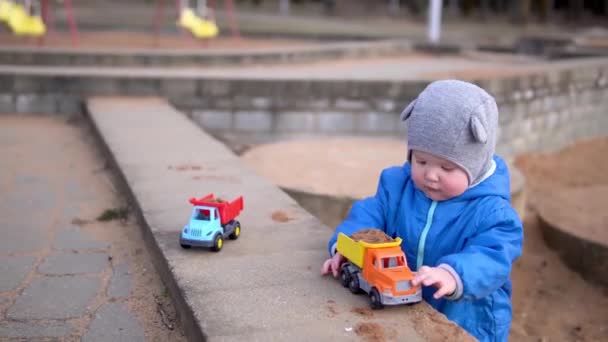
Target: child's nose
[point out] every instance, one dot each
(431, 175)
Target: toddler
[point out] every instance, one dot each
(450, 203)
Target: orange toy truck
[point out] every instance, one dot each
(379, 269)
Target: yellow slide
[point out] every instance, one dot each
(5, 9)
(35, 26)
(24, 24)
(199, 27)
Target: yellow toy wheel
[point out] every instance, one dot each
(237, 232)
(218, 243)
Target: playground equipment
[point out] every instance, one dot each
(203, 26)
(199, 21)
(23, 19)
(5, 9)
(31, 17)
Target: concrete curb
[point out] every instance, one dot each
(586, 257)
(189, 323)
(19, 55)
(263, 286)
(331, 210)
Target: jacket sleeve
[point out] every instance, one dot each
(485, 263)
(370, 212)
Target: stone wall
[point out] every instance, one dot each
(541, 111)
(545, 109)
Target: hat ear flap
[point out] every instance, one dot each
(407, 112)
(479, 131)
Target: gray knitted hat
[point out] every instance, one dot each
(457, 121)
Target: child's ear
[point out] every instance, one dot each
(408, 110)
(478, 129)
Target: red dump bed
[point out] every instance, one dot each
(228, 210)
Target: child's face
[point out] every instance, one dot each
(438, 178)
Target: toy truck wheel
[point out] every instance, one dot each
(345, 277)
(218, 243)
(353, 284)
(236, 233)
(184, 246)
(375, 301)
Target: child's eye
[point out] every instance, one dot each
(447, 168)
(421, 162)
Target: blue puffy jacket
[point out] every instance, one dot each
(477, 233)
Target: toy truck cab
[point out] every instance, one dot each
(211, 222)
(378, 269)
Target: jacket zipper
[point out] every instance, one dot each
(425, 231)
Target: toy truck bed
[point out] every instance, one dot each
(227, 210)
(354, 251)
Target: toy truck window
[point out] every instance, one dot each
(393, 262)
(203, 214)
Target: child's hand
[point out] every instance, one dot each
(333, 264)
(439, 277)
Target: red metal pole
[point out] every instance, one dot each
(229, 5)
(45, 13)
(158, 19)
(67, 5)
(45, 19)
(178, 5)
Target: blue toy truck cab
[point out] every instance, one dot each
(211, 222)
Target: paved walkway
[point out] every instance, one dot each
(65, 276)
(266, 285)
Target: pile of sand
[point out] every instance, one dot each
(371, 236)
(338, 166)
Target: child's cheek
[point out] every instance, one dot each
(455, 186)
(417, 177)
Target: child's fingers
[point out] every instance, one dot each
(429, 280)
(335, 266)
(325, 267)
(417, 279)
(419, 275)
(425, 279)
(443, 290)
(424, 269)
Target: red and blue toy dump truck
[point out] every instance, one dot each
(211, 222)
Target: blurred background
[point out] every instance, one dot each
(307, 93)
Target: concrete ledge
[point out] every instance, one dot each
(263, 286)
(331, 209)
(19, 55)
(573, 223)
(440, 49)
(543, 110)
(589, 258)
(518, 191)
